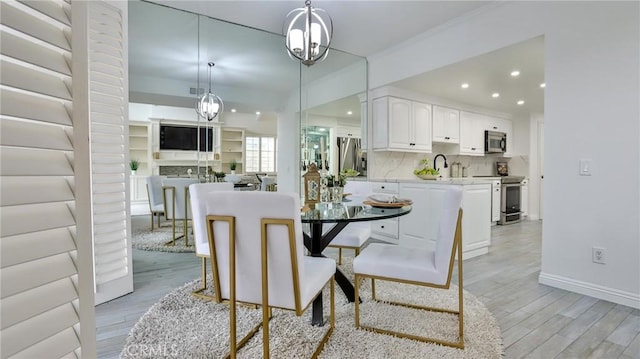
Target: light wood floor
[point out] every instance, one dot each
(537, 321)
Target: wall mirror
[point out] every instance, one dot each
(168, 54)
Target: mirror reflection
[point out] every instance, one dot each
(270, 100)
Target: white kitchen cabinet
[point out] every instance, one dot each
(385, 229)
(471, 134)
(401, 125)
(138, 189)
(446, 125)
(496, 197)
(524, 197)
(476, 231)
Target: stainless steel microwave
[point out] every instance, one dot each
(495, 142)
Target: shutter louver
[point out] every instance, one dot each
(38, 268)
(108, 145)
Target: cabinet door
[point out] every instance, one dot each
(413, 227)
(400, 123)
(495, 201)
(476, 207)
(471, 134)
(446, 125)
(421, 123)
(380, 125)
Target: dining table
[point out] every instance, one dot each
(340, 214)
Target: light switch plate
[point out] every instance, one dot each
(585, 167)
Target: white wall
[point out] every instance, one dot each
(591, 111)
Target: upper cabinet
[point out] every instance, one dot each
(446, 125)
(471, 134)
(401, 125)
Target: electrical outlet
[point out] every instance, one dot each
(598, 255)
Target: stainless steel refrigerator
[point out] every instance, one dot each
(351, 156)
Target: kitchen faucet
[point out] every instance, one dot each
(436, 157)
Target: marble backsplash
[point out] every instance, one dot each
(400, 165)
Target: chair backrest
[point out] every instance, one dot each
(265, 181)
(154, 184)
(359, 190)
(196, 193)
(447, 232)
(249, 208)
(173, 190)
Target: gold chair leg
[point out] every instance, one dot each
(152, 221)
(198, 293)
(340, 256)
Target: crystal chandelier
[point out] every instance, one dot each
(308, 32)
(209, 105)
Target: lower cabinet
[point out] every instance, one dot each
(420, 227)
(138, 195)
(385, 229)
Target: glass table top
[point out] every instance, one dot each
(341, 212)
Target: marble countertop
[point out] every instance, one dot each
(441, 180)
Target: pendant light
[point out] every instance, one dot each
(308, 32)
(209, 105)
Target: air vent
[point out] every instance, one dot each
(192, 91)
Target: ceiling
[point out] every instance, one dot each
(360, 27)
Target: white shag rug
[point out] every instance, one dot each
(182, 326)
(147, 240)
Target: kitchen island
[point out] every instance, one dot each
(420, 227)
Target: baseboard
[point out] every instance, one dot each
(593, 290)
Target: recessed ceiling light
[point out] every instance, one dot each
(520, 102)
(322, 129)
(349, 113)
(495, 94)
(465, 85)
(543, 85)
(515, 73)
(257, 112)
(233, 110)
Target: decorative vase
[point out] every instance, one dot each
(133, 172)
(233, 172)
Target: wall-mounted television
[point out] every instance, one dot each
(185, 138)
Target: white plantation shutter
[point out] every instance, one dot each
(109, 157)
(40, 295)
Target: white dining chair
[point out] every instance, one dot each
(418, 266)
(355, 234)
(176, 204)
(256, 250)
(154, 193)
(201, 237)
